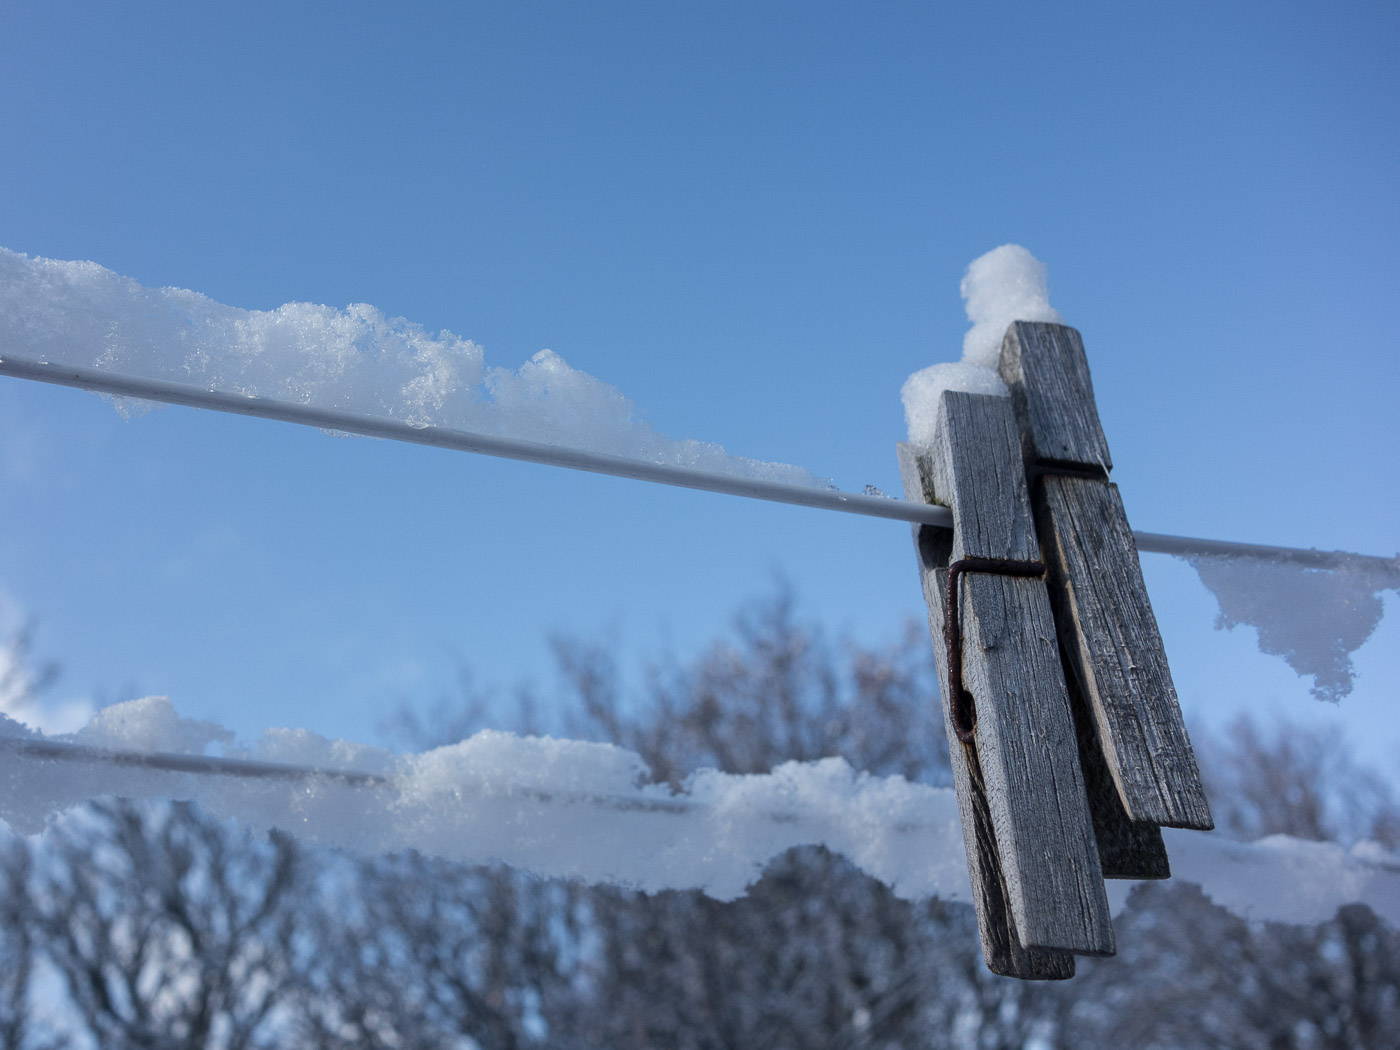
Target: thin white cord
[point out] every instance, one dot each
(102, 381)
(466, 441)
(244, 768)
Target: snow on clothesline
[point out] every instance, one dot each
(586, 811)
(556, 808)
(356, 370)
(124, 386)
(352, 360)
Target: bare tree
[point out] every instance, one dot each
(167, 928)
(1197, 976)
(1287, 779)
(775, 692)
(18, 953)
(21, 683)
(817, 954)
(421, 952)
(170, 929)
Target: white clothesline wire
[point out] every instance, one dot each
(209, 766)
(174, 762)
(122, 385)
(254, 769)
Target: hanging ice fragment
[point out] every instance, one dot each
(1314, 618)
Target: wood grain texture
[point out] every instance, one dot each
(979, 475)
(1128, 849)
(1025, 736)
(1047, 371)
(1001, 946)
(1115, 651)
(1029, 757)
(1102, 611)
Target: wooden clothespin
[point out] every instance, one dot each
(1138, 762)
(1036, 875)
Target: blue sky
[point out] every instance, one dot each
(752, 219)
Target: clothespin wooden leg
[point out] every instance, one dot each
(1108, 633)
(1128, 849)
(1001, 946)
(1039, 867)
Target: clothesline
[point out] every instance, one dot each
(718, 839)
(121, 385)
(254, 769)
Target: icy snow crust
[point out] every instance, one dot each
(586, 811)
(351, 360)
(557, 808)
(1313, 618)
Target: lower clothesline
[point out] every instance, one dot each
(587, 812)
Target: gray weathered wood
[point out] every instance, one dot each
(1116, 652)
(1001, 946)
(978, 474)
(1128, 849)
(1101, 607)
(1025, 736)
(1045, 367)
(1029, 758)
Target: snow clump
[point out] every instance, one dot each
(354, 359)
(1007, 284)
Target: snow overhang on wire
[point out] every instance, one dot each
(588, 811)
(139, 387)
(357, 371)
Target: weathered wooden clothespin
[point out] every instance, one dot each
(1138, 762)
(1036, 876)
